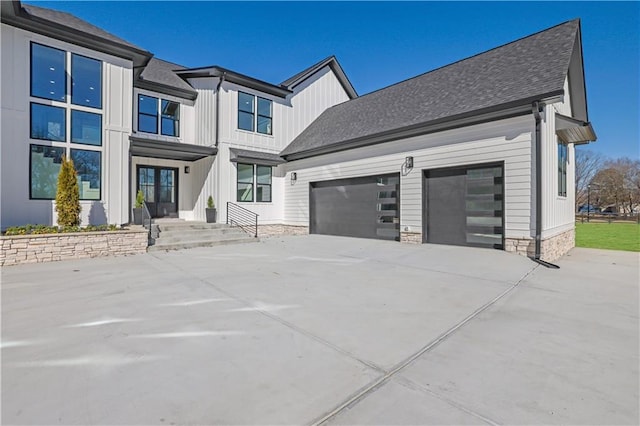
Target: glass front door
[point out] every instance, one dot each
(159, 185)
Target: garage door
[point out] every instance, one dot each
(465, 206)
(365, 207)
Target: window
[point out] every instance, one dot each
(147, 114)
(44, 167)
(48, 122)
(88, 167)
(250, 176)
(86, 128)
(170, 118)
(86, 81)
(265, 108)
(263, 184)
(245, 111)
(48, 77)
(245, 182)
(247, 116)
(562, 169)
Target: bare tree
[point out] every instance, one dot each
(619, 184)
(588, 164)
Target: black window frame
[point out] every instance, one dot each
(100, 173)
(71, 114)
(31, 71)
(253, 112)
(71, 75)
(263, 185)
(31, 145)
(140, 95)
(253, 180)
(563, 160)
(64, 127)
(176, 120)
(258, 115)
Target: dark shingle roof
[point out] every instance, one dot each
(534, 66)
(162, 73)
(68, 20)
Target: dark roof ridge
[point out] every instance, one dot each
(468, 57)
(296, 76)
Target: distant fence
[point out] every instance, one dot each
(608, 217)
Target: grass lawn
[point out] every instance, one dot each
(612, 236)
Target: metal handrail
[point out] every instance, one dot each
(243, 218)
(146, 213)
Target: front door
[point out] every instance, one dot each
(160, 188)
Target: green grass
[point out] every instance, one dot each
(610, 236)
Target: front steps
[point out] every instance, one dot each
(176, 235)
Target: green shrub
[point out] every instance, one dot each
(68, 195)
(210, 204)
(30, 229)
(139, 199)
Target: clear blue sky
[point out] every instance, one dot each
(379, 44)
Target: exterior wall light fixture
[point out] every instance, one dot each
(187, 170)
(294, 177)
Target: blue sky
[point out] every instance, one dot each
(379, 43)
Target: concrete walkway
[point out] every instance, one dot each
(319, 329)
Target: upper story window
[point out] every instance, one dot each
(562, 169)
(148, 114)
(71, 116)
(247, 117)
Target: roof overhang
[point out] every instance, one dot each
(571, 130)
(141, 83)
(142, 147)
(334, 65)
(255, 157)
(237, 78)
(13, 14)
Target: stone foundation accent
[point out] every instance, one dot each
(551, 248)
(411, 237)
(19, 249)
(266, 231)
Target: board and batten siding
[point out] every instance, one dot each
(558, 212)
(117, 92)
(507, 141)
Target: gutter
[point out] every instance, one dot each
(217, 141)
(536, 109)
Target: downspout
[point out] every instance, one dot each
(536, 109)
(218, 108)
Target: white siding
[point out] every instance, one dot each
(17, 208)
(558, 213)
(505, 140)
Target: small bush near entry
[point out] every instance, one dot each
(210, 204)
(139, 199)
(68, 195)
(44, 229)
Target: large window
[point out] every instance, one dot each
(45, 164)
(252, 176)
(48, 76)
(74, 109)
(86, 81)
(562, 169)
(48, 122)
(88, 168)
(168, 113)
(247, 117)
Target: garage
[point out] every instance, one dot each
(465, 206)
(364, 207)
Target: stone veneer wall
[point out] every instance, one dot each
(411, 237)
(280, 230)
(18, 249)
(551, 248)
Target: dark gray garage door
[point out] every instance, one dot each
(365, 207)
(465, 206)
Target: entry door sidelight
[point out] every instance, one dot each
(160, 188)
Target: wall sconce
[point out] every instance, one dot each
(187, 170)
(408, 162)
(294, 177)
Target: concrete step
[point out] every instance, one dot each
(201, 234)
(160, 245)
(189, 225)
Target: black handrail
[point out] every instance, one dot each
(243, 218)
(146, 214)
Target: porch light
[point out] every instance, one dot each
(187, 170)
(408, 162)
(294, 177)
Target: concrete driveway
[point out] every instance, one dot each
(319, 329)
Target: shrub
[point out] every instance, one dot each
(30, 229)
(68, 195)
(210, 204)
(139, 199)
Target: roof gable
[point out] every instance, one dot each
(335, 67)
(161, 76)
(531, 68)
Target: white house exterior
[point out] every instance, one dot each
(477, 153)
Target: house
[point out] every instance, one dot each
(479, 152)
